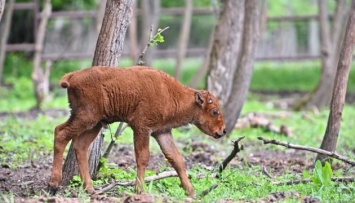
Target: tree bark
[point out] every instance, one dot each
(40, 76)
(184, 38)
(108, 51)
(340, 84)
(245, 65)
(5, 32)
(150, 17)
(2, 6)
(225, 47)
(321, 96)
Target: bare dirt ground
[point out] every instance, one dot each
(30, 179)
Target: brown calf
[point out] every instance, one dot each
(150, 101)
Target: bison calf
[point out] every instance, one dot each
(150, 101)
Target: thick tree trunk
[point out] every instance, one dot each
(2, 6)
(225, 47)
(321, 96)
(339, 90)
(245, 65)
(5, 32)
(40, 76)
(150, 16)
(108, 51)
(184, 38)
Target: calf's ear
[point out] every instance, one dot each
(199, 98)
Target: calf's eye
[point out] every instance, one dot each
(214, 112)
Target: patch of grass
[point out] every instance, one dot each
(24, 140)
(297, 76)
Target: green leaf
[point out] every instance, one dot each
(317, 173)
(327, 174)
(306, 174)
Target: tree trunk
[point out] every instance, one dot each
(184, 38)
(245, 65)
(340, 84)
(2, 6)
(201, 73)
(5, 32)
(40, 76)
(321, 96)
(108, 51)
(150, 17)
(225, 47)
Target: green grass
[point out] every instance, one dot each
(296, 76)
(25, 140)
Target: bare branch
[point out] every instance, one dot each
(121, 127)
(140, 61)
(311, 149)
(165, 174)
(303, 181)
(234, 152)
(205, 192)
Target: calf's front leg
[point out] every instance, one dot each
(141, 149)
(167, 145)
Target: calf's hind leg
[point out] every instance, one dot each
(167, 145)
(63, 133)
(141, 149)
(81, 145)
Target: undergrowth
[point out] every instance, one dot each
(23, 140)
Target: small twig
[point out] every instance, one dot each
(224, 164)
(118, 132)
(165, 174)
(140, 61)
(27, 183)
(304, 181)
(267, 173)
(234, 152)
(205, 192)
(311, 149)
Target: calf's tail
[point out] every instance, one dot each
(64, 82)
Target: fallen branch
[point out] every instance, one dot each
(234, 152)
(165, 174)
(224, 164)
(304, 181)
(311, 149)
(140, 61)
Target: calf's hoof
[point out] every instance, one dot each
(52, 190)
(90, 191)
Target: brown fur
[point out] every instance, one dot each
(150, 101)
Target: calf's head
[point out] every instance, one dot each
(209, 118)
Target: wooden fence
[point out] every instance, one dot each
(192, 52)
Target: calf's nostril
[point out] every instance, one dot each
(224, 131)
